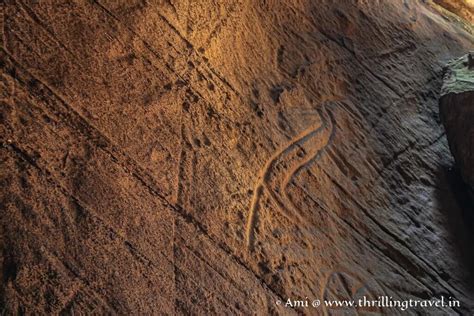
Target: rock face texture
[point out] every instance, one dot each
(215, 157)
(463, 8)
(457, 113)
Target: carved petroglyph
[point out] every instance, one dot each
(284, 166)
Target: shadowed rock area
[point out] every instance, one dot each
(218, 157)
(457, 112)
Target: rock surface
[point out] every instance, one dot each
(463, 8)
(206, 157)
(457, 113)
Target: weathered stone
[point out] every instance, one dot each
(217, 157)
(463, 8)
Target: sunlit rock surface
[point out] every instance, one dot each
(210, 157)
(463, 8)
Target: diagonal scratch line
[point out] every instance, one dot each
(187, 42)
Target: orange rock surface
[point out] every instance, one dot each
(215, 157)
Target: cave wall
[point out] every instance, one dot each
(209, 157)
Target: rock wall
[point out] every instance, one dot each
(206, 157)
(463, 8)
(457, 112)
